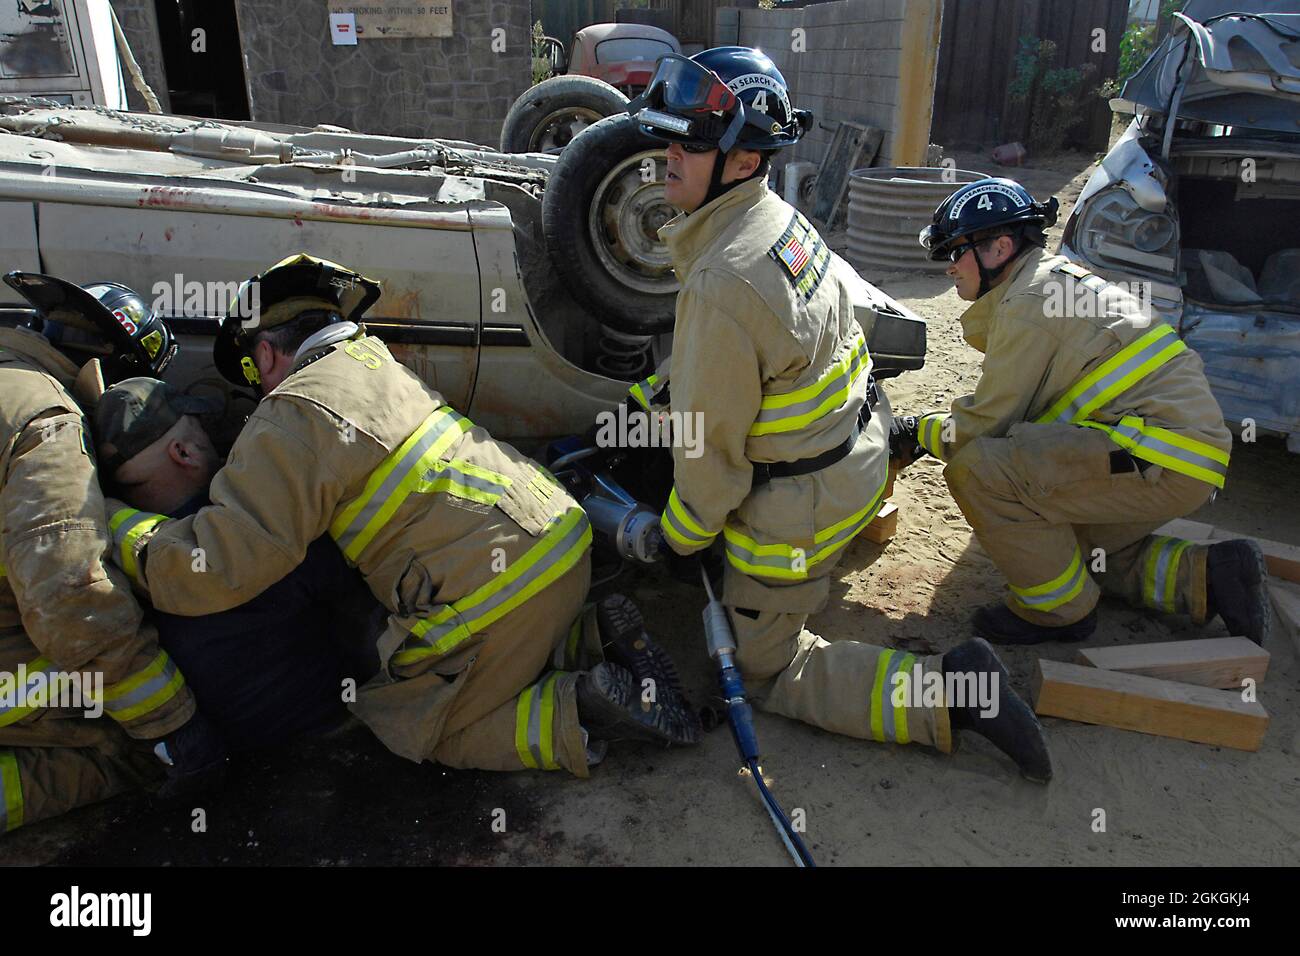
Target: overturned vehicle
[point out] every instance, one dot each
(1199, 201)
(528, 289)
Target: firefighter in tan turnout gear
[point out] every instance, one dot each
(480, 557)
(72, 637)
(768, 355)
(1091, 426)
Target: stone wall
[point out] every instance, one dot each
(139, 20)
(848, 68)
(453, 87)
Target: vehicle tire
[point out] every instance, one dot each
(547, 117)
(601, 215)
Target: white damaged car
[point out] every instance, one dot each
(1199, 201)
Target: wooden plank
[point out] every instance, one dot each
(884, 526)
(889, 482)
(1211, 662)
(1283, 560)
(1286, 605)
(1148, 705)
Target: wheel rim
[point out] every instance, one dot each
(624, 219)
(557, 129)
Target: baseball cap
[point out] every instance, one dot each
(136, 412)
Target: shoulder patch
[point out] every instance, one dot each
(1091, 281)
(803, 256)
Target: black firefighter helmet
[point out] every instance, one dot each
(982, 205)
(290, 289)
(106, 320)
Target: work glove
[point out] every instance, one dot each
(686, 568)
(195, 756)
(903, 444)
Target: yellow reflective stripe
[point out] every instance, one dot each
(643, 391)
(466, 480)
(791, 411)
(553, 555)
(1062, 589)
(1116, 375)
(11, 810)
(901, 733)
(36, 696)
(790, 562)
(523, 707)
(535, 725)
(127, 527)
(876, 707)
(929, 432)
(4, 572)
(1160, 574)
(681, 527)
(395, 479)
(1160, 446)
(144, 691)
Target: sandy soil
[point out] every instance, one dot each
(345, 801)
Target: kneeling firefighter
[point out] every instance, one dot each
(481, 559)
(769, 359)
(1091, 426)
(66, 613)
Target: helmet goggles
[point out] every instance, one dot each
(689, 104)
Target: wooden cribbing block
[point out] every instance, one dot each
(1213, 662)
(1283, 560)
(884, 526)
(1286, 605)
(1148, 705)
(889, 482)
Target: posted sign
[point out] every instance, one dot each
(386, 19)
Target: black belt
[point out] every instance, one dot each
(766, 471)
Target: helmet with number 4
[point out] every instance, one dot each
(980, 206)
(724, 97)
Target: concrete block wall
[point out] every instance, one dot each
(848, 68)
(453, 87)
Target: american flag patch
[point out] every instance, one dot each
(794, 256)
(803, 255)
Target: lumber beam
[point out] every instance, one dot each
(1286, 607)
(884, 526)
(1148, 705)
(1209, 662)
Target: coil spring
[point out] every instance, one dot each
(621, 355)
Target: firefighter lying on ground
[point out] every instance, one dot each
(768, 354)
(1091, 426)
(489, 659)
(64, 611)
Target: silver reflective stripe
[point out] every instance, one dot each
(146, 690)
(786, 562)
(557, 551)
(122, 530)
(1143, 440)
(887, 694)
(1167, 548)
(535, 724)
(29, 695)
(1153, 348)
(401, 469)
(1056, 594)
(842, 380)
(485, 485)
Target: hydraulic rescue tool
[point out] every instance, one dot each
(632, 530)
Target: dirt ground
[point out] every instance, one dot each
(345, 801)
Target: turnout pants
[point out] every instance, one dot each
(53, 760)
(508, 702)
(1064, 520)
